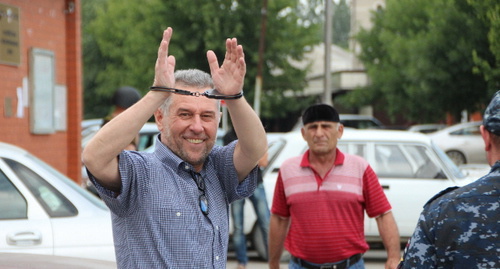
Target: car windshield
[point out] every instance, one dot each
(89, 196)
(452, 167)
(274, 148)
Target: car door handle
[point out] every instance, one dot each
(386, 187)
(24, 238)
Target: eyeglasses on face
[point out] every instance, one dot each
(202, 199)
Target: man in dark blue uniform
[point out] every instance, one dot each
(460, 228)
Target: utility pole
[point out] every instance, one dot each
(327, 91)
(262, 39)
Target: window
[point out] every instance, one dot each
(471, 130)
(353, 148)
(146, 140)
(396, 160)
(426, 167)
(12, 203)
(273, 150)
(54, 203)
(391, 162)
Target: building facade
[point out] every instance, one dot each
(41, 80)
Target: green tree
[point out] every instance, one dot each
(489, 12)
(341, 24)
(419, 56)
(95, 105)
(126, 35)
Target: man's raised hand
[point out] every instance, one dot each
(165, 64)
(228, 78)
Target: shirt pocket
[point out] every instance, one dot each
(181, 226)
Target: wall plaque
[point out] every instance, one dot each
(9, 35)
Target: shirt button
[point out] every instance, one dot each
(178, 214)
(217, 227)
(187, 167)
(217, 257)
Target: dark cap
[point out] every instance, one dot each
(320, 112)
(125, 97)
(491, 118)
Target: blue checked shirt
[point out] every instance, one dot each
(157, 221)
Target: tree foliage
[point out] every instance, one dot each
(489, 12)
(95, 105)
(122, 38)
(341, 24)
(420, 56)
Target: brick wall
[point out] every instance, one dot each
(46, 24)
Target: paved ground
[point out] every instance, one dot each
(373, 260)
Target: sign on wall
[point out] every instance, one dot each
(9, 35)
(42, 87)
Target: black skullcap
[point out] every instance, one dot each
(320, 112)
(491, 118)
(125, 97)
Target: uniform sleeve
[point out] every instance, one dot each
(280, 206)
(375, 199)
(420, 251)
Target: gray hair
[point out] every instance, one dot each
(190, 78)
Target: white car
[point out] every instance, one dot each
(360, 121)
(31, 261)
(410, 167)
(352, 121)
(462, 142)
(44, 212)
(147, 134)
(427, 128)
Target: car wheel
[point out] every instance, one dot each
(260, 247)
(457, 157)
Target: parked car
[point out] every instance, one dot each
(411, 169)
(360, 121)
(31, 261)
(426, 128)
(146, 142)
(90, 126)
(44, 212)
(147, 133)
(462, 143)
(353, 121)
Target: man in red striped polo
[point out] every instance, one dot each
(320, 200)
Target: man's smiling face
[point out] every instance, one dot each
(189, 128)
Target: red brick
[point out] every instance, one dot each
(44, 24)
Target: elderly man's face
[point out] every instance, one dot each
(322, 136)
